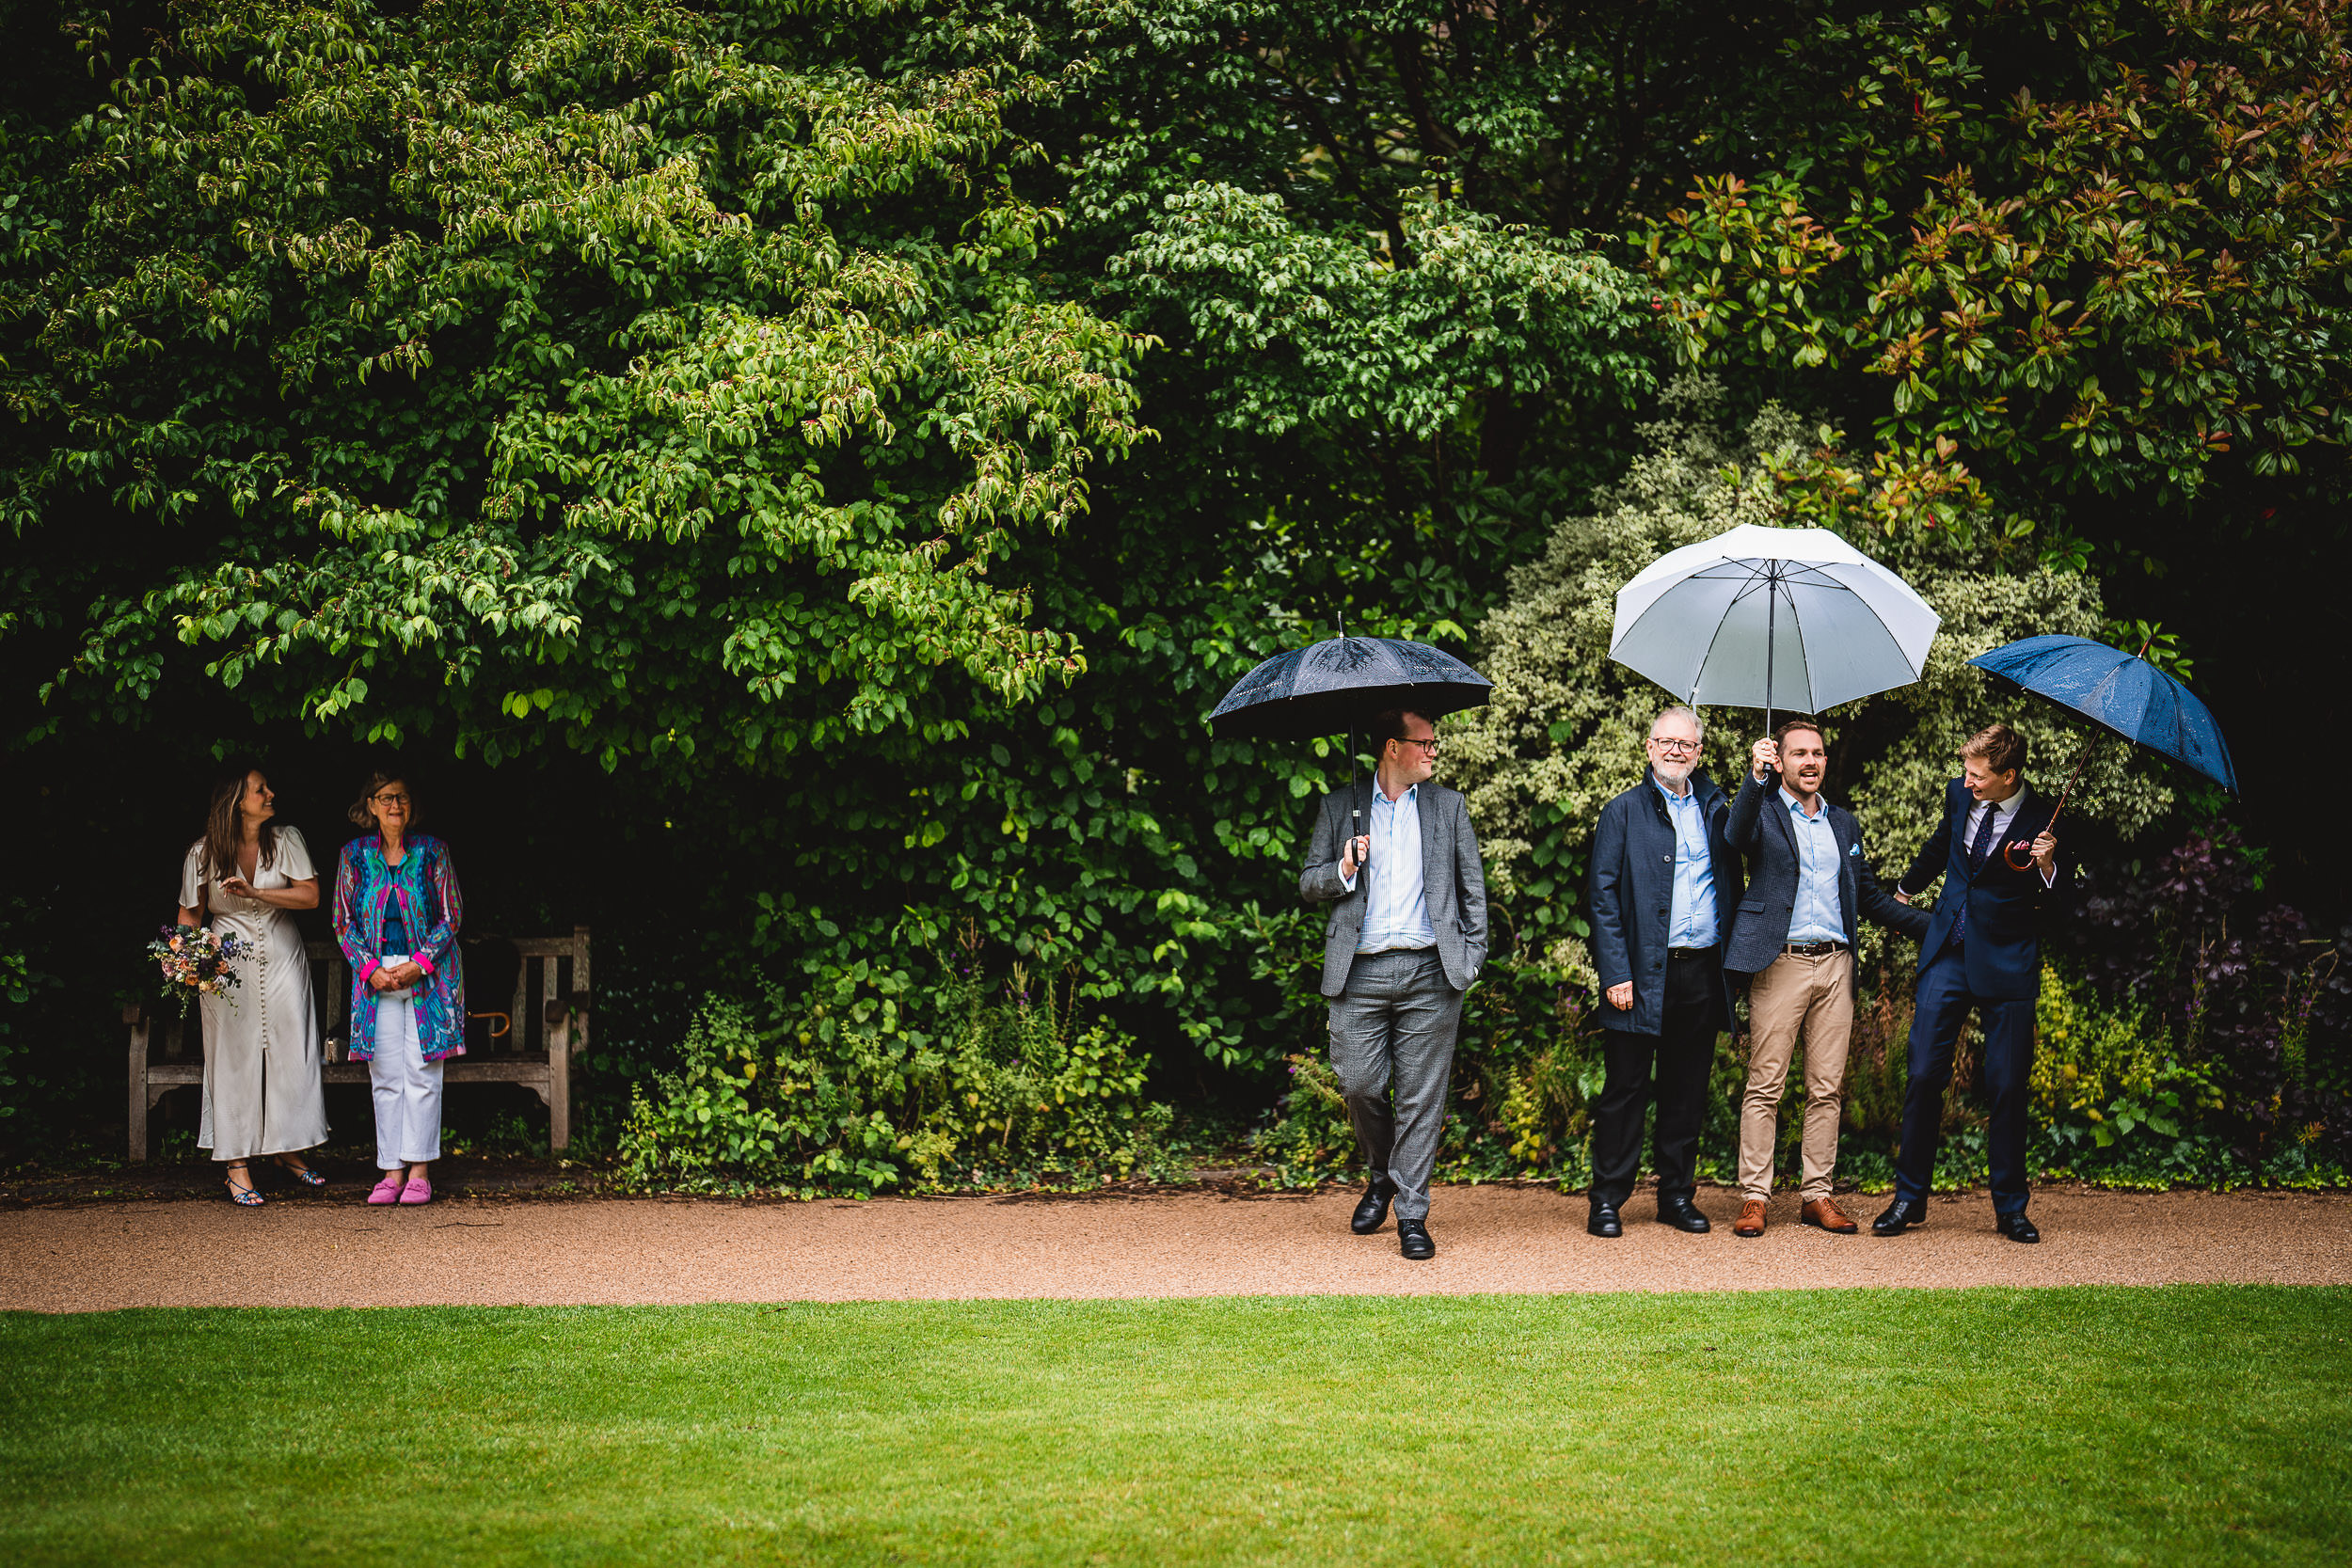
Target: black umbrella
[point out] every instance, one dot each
(1337, 684)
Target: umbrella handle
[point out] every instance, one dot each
(2009, 851)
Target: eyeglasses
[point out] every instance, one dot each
(401, 800)
(1428, 747)
(1673, 743)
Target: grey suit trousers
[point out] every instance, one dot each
(1396, 1021)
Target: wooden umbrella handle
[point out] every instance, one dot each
(2011, 850)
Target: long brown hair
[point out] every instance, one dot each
(224, 825)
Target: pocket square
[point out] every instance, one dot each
(1855, 851)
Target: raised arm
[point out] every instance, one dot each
(1743, 824)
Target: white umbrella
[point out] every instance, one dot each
(1767, 617)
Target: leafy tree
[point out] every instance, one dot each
(645, 378)
(2086, 248)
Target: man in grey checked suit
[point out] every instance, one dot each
(1405, 938)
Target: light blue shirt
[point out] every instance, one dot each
(1396, 905)
(1820, 914)
(1691, 919)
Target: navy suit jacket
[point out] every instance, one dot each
(2006, 906)
(1631, 895)
(1758, 827)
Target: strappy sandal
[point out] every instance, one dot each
(248, 1198)
(303, 1174)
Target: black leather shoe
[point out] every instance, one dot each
(1682, 1214)
(1900, 1217)
(1374, 1210)
(2017, 1228)
(1412, 1240)
(1604, 1221)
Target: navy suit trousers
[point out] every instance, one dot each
(2007, 1025)
(1680, 1053)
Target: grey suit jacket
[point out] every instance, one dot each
(1452, 880)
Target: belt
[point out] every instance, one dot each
(1689, 952)
(1813, 949)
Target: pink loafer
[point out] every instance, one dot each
(386, 1191)
(417, 1191)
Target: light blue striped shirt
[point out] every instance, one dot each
(1820, 914)
(1692, 922)
(1396, 906)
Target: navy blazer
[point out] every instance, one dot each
(2006, 906)
(1760, 929)
(1631, 895)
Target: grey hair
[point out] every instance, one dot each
(1670, 710)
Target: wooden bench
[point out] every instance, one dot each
(533, 1046)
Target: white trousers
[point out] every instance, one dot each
(407, 1089)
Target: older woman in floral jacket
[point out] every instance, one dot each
(397, 911)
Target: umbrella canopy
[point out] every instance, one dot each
(1336, 684)
(1772, 617)
(2120, 693)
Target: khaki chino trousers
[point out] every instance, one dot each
(1812, 996)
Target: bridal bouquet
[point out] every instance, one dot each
(197, 961)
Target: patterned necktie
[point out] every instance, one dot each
(1983, 843)
(1981, 847)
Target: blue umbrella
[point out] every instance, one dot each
(2123, 694)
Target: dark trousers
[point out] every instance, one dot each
(1945, 1002)
(1683, 1052)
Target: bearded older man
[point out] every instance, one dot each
(1665, 886)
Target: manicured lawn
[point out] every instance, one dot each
(2089, 1425)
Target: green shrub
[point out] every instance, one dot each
(2113, 1099)
(841, 1089)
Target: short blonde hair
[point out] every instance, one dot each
(2000, 748)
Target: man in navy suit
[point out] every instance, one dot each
(1982, 952)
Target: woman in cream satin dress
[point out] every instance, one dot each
(264, 1096)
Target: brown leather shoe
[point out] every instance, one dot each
(1751, 1220)
(1826, 1214)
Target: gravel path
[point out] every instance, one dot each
(335, 1251)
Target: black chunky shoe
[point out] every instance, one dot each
(1604, 1221)
(1682, 1214)
(1900, 1217)
(1412, 1240)
(1373, 1212)
(2017, 1228)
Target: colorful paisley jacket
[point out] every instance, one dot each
(425, 883)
